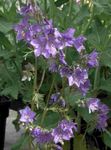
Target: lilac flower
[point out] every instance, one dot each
(22, 28)
(102, 111)
(64, 131)
(57, 99)
(101, 121)
(53, 66)
(79, 78)
(92, 59)
(27, 116)
(102, 117)
(67, 38)
(85, 87)
(62, 57)
(41, 136)
(93, 104)
(54, 98)
(65, 71)
(26, 10)
(45, 44)
(78, 43)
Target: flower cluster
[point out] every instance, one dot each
(50, 43)
(64, 130)
(94, 105)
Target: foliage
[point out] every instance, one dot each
(17, 64)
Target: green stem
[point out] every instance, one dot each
(96, 79)
(90, 19)
(45, 6)
(35, 84)
(30, 144)
(45, 110)
(70, 7)
(42, 79)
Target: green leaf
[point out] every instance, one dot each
(51, 120)
(71, 96)
(79, 142)
(105, 85)
(11, 90)
(21, 143)
(107, 138)
(105, 58)
(5, 26)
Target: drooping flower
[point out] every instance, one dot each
(102, 116)
(93, 104)
(21, 28)
(67, 38)
(56, 98)
(78, 43)
(102, 110)
(26, 115)
(42, 136)
(26, 10)
(79, 78)
(92, 59)
(64, 131)
(65, 71)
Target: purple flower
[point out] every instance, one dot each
(57, 99)
(65, 71)
(27, 116)
(102, 111)
(64, 131)
(102, 117)
(44, 41)
(22, 29)
(79, 78)
(93, 104)
(92, 59)
(101, 121)
(67, 38)
(78, 43)
(85, 87)
(26, 10)
(41, 136)
(54, 98)
(62, 57)
(53, 66)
